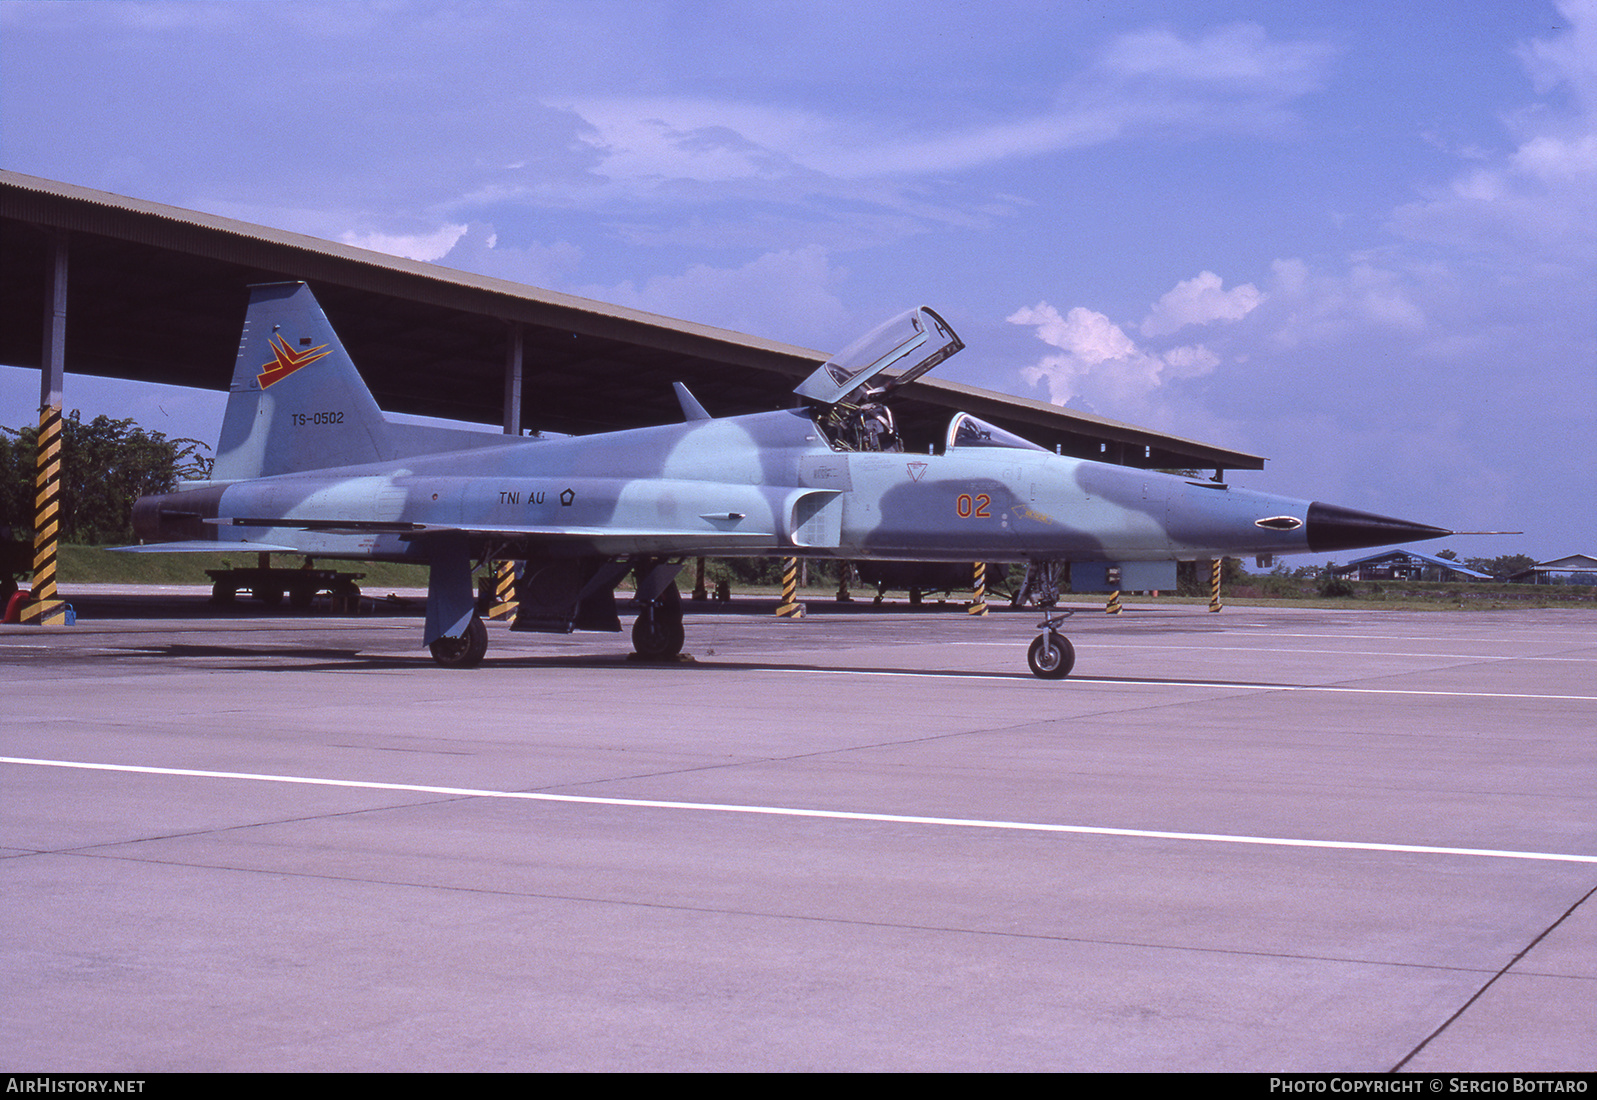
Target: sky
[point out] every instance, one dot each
(1359, 238)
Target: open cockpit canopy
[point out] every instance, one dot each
(914, 342)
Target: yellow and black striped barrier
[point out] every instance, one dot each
(1214, 585)
(504, 602)
(1113, 607)
(978, 603)
(44, 609)
(790, 608)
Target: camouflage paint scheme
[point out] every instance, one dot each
(308, 463)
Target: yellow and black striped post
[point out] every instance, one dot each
(1214, 584)
(790, 608)
(44, 609)
(1113, 607)
(978, 603)
(504, 601)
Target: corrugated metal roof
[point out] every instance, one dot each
(156, 294)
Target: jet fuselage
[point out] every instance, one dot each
(766, 483)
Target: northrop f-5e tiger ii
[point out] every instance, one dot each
(308, 464)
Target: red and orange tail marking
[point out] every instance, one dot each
(287, 362)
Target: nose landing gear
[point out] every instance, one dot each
(1051, 655)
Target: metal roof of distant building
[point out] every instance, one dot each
(1428, 559)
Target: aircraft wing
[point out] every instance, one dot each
(601, 538)
(203, 546)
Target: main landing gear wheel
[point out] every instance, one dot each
(1051, 656)
(465, 651)
(658, 634)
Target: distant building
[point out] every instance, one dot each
(1407, 565)
(1575, 569)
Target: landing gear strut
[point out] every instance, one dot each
(1051, 655)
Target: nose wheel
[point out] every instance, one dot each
(1051, 655)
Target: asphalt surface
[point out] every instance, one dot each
(1262, 840)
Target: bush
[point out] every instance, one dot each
(105, 466)
(1333, 588)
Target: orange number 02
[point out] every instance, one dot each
(968, 506)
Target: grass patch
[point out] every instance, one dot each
(97, 565)
(1410, 595)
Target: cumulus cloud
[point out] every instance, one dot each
(1198, 301)
(426, 247)
(479, 249)
(1101, 367)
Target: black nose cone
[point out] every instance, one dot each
(1333, 528)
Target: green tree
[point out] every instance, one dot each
(105, 466)
(1502, 566)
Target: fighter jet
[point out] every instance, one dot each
(309, 464)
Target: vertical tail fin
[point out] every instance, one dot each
(296, 401)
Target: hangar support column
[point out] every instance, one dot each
(513, 353)
(503, 603)
(45, 609)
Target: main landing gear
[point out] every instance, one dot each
(465, 651)
(557, 596)
(1051, 655)
(657, 635)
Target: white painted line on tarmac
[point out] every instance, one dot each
(1056, 685)
(1246, 633)
(1096, 645)
(786, 811)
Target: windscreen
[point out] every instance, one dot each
(966, 432)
